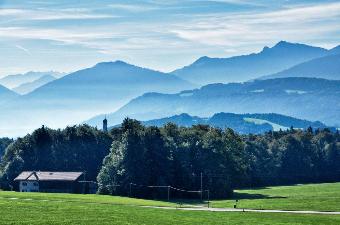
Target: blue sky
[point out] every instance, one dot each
(67, 35)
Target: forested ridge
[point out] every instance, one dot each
(177, 156)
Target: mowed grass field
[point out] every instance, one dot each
(43, 208)
(318, 197)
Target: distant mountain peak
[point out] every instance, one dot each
(113, 63)
(286, 44)
(240, 68)
(184, 115)
(283, 44)
(265, 48)
(120, 62)
(202, 59)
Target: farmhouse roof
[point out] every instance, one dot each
(48, 176)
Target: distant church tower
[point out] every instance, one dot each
(105, 125)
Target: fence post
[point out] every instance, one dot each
(208, 199)
(130, 190)
(201, 186)
(168, 193)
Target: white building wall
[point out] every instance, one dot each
(29, 186)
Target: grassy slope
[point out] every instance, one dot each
(39, 212)
(276, 127)
(321, 197)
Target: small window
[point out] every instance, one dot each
(35, 184)
(24, 184)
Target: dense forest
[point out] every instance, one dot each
(178, 157)
(173, 156)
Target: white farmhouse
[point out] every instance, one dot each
(66, 182)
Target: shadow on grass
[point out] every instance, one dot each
(188, 201)
(236, 196)
(243, 196)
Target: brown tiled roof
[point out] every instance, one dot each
(48, 176)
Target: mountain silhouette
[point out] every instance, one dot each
(327, 67)
(6, 95)
(246, 67)
(28, 87)
(242, 123)
(12, 81)
(82, 94)
(306, 98)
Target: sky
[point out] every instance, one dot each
(67, 35)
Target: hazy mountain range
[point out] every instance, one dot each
(107, 85)
(246, 67)
(242, 123)
(121, 89)
(6, 95)
(82, 94)
(327, 67)
(13, 81)
(307, 98)
(28, 87)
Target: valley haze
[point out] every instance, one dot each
(287, 79)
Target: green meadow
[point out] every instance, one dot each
(318, 197)
(44, 208)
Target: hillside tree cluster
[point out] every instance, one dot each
(176, 156)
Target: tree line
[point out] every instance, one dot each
(177, 156)
(77, 148)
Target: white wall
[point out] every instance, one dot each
(29, 186)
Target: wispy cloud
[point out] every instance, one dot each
(235, 30)
(70, 36)
(105, 41)
(238, 2)
(133, 7)
(308, 13)
(23, 49)
(43, 14)
(224, 30)
(213, 29)
(148, 31)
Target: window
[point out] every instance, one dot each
(24, 184)
(35, 184)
